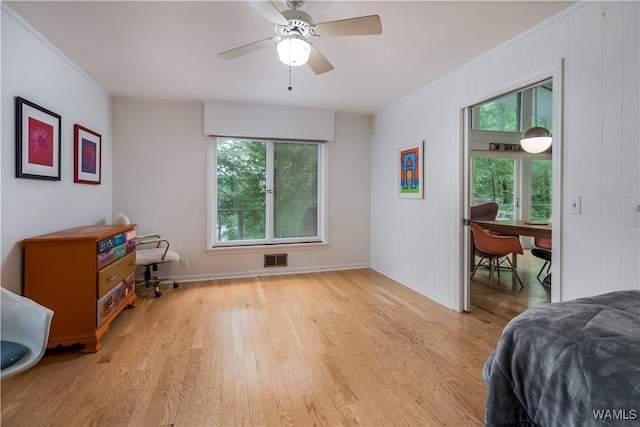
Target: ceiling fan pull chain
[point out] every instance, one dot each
(290, 87)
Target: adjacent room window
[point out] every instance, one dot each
(502, 114)
(518, 181)
(266, 192)
(494, 179)
(541, 185)
(517, 111)
(541, 102)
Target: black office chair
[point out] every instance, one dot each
(542, 250)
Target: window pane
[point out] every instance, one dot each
(541, 107)
(241, 176)
(493, 180)
(541, 184)
(500, 115)
(295, 190)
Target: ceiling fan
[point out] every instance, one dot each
(294, 27)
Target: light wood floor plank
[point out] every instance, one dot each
(335, 348)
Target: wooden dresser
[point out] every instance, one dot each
(86, 275)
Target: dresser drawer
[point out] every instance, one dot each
(115, 273)
(108, 304)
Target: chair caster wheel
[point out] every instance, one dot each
(176, 285)
(158, 293)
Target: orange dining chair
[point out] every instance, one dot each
(542, 250)
(487, 211)
(493, 247)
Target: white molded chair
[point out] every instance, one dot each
(25, 322)
(151, 250)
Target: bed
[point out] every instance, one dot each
(573, 363)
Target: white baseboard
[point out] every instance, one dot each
(416, 287)
(275, 271)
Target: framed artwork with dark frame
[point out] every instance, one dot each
(87, 156)
(37, 141)
(411, 171)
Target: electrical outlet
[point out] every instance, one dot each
(575, 205)
(184, 263)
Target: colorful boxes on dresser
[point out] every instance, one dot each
(115, 247)
(130, 240)
(109, 250)
(109, 302)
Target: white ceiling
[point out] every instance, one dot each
(168, 49)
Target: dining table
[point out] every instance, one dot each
(516, 227)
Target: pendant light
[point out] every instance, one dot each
(536, 139)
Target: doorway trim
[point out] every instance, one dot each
(553, 71)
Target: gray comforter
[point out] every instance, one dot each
(573, 363)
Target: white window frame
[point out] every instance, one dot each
(270, 240)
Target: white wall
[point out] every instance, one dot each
(417, 242)
(37, 71)
(160, 161)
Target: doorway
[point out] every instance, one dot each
(526, 186)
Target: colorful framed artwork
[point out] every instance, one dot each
(87, 156)
(410, 171)
(37, 141)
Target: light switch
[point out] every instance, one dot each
(575, 206)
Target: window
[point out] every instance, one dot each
(517, 111)
(494, 179)
(518, 181)
(540, 106)
(266, 192)
(501, 115)
(541, 190)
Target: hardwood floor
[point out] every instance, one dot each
(507, 298)
(335, 348)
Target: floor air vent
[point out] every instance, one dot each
(275, 260)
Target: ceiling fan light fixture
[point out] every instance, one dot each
(536, 140)
(294, 50)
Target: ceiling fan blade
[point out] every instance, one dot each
(317, 62)
(248, 48)
(269, 11)
(362, 26)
